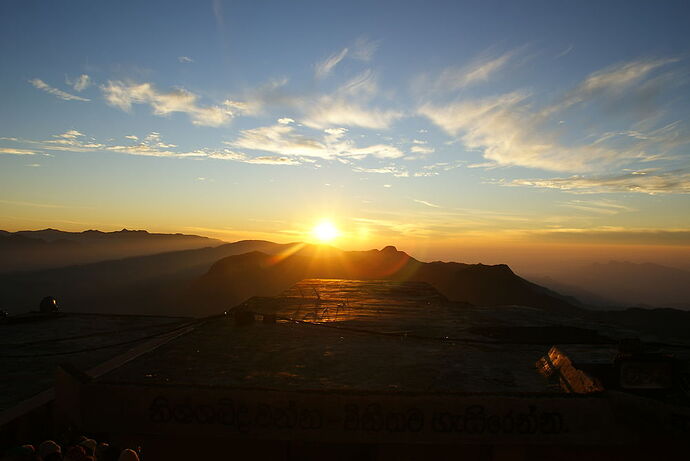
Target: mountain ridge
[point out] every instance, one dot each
(623, 284)
(30, 250)
(234, 278)
(170, 282)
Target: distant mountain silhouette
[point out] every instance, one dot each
(48, 248)
(624, 284)
(142, 284)
(581, 295)
(235, 278)
(210, 280)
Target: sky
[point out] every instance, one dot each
(476, 131)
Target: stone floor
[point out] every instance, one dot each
(27, 369)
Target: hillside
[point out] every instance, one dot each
(210, 280)
(233, 279)
(623, 284)
(141, 284)
(50, 248)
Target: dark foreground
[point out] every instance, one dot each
(380, 370)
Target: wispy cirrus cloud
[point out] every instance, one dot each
(281, 144)
(324, 68)
(601, 207)
(477, 71)
(506, 133)
(647, 182)
(41, 85)
(75, 141)
(392, 170)
(14, 151)
(510, 129)
(260, 160)
(424, 202)
(283, 139)
(184, 59)
(612, 80)
(123, 95)
(453, 79)
(350, 105)
(565, 51)
(363, 50)
(333, 112)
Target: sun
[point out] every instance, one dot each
(325, 231)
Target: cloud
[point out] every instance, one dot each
(614, 79)
(455, 78)
(511, 130)
(122, 95)
(270, 94)
(621, 75)
(485, 165)
(376, 150)
(347, 106)
(603, 207)
(260, 160)
(417, 149)
(362, 50)
(565, 51)
(477, 71)
(331, 112)
(13, 151)
(324, 68)
(503, 129)
(71, 140)
(152, 145)
(41, 85)
(424, 202)
(81, 83)
(185, 59)
(285, 121)
(71, 134)
(75, 141)
(284, 145)
(38, 205)
(284, 140)
(392, 170)
(646, 182)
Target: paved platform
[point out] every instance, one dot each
(30, 352)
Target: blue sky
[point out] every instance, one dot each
(417, 123)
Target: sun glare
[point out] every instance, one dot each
(325, 232)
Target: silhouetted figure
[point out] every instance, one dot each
(49, 449)
(49, 305)
(128, 455)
